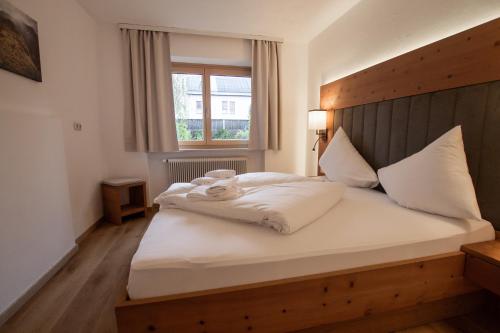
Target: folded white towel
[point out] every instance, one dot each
(221, 173)
(218, 193)
(203, 181)
(223, 186)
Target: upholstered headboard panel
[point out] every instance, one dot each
(388, 131)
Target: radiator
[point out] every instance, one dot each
(185, 170)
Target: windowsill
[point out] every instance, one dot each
(214, 145)
(213, 149)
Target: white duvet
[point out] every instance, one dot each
(249, 179)
(285, 207)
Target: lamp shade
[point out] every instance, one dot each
(317, 119)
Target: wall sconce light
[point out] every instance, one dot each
(317, 121)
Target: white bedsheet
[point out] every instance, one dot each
(183, 251)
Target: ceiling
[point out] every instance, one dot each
(293, 20)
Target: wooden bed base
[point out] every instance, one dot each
(431, 288)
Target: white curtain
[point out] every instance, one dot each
(149, 109)
(266, 103)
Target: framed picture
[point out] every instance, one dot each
(19, 48)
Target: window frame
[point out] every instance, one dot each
(232, 107)
(226, 105)
(206, 71)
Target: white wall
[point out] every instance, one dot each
(292, 155)
(35, 220)
(377, 30)
(69, 70)
(50, 174)
(210, 50)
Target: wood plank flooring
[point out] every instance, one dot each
(81, 296)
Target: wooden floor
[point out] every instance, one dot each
(81, 296)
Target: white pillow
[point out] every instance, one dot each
(435, 180)
(342, 162)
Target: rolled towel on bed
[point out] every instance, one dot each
(221, 174)
(204, 181)
(226, 189)
(223, 186)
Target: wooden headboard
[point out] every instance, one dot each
(395, 108)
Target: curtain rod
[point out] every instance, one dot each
(198, 32)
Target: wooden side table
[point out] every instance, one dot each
(112, 192)
(482, 264)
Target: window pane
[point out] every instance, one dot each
(188, 104)
(230, 107)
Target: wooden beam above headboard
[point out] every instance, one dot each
(470, 57)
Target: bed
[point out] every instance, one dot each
(367, 264)
(184, 252)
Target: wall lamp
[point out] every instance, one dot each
(317, 121)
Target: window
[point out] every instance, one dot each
(199, 106)
(228, 107)
(212, 104)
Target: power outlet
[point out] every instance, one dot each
(77, 126)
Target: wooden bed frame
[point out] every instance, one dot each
(376, 298)
(310, 301)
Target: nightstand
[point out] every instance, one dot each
(123, 197)
(482, 264)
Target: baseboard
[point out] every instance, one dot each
(150, 210)
(89, 230)
(154, 209)
(14, 307)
